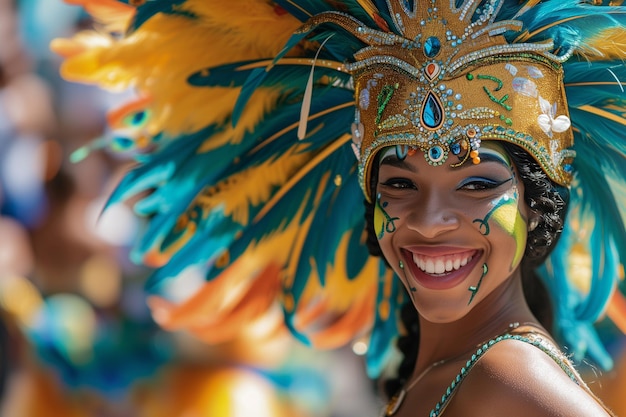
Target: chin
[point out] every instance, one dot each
(436, 310)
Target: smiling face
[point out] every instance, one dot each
(453, 235)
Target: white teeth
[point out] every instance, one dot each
(440, 264)
(440, 267)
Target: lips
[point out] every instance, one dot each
(441, 268)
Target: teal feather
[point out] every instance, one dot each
(188, 255)
(235, 75)
(157, 167)
(296, 198)
(258, 75)
(150, 8)
(580, 22)
(596, 200)
(330, 220)
(165, 217)
(303, 10)
(187, 172)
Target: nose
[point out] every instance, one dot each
(433, 216)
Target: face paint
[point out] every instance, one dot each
(383, 222)
(474, 289)
(505, 213)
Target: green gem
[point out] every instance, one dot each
(470, 76)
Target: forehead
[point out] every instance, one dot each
(489, 152)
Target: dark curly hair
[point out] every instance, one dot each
(545, 198)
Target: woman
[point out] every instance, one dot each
(458, 114)
(457, 236)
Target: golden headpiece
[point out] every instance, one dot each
(450, 82)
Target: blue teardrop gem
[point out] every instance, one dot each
(432, 113)
(455, 148)
(432, 46)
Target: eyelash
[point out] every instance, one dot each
(482, 184)
(399, 183)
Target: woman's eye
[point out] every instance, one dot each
(400, 183)
(482, 184)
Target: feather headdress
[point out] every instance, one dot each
(249, 110)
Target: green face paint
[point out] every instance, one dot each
(383, 222)
(474, 289)
(505, 213)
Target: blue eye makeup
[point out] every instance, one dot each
(482, 183)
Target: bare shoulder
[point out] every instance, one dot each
(517, 379)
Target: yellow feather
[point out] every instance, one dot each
(608, 44)
(252, 186)
(603, 113)
(251, 25)
(158, 58)
(529, 5)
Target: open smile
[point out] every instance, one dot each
(441, 265)
(441, 269)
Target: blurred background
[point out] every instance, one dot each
(76, 336)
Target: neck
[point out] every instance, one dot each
(491, 317)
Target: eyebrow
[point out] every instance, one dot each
(394, 161)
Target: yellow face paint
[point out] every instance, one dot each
(383, 222)
(506, 214)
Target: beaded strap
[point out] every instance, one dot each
(535, 340)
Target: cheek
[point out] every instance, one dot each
(505, 216)
(513, 224)
(383, 222)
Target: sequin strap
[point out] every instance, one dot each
(534, 339)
